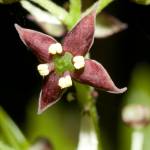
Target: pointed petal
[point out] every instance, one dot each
(80, 39)
(94, 74)
(50, 92)
(37, 41)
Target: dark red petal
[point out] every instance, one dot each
(50, 92)
(94, 74)
(79, 40)
(37, 41)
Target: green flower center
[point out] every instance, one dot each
(63, 63)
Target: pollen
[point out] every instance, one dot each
(65, 82)
(78, 62)
(55, 48)
(43, 69)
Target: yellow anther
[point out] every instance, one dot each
(55, 48)
(79, 62)
(65, 82)
(43, 69)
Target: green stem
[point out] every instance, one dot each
(74, 13)
(87, 103)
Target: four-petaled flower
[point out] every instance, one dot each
(62, 63)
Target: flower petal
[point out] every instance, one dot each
(79, 40)
(37, 41)
(50, 92)
(94, 74)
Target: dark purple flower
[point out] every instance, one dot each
(61, 63)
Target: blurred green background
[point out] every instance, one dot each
(125, 55)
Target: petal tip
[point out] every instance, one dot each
(39, 112)
(20, 32)
(18, 28)
(118, 91)
(42, 107)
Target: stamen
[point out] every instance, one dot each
(55, 48)
(65, 82)
(79, 62)
(43, 69)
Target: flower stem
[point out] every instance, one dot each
(137, 140)
(92, 132)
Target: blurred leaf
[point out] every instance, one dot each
(5, 147)
(8, 1)
(58, 124)
(138, 93)
(143, 2)
(11, 132)
(54, 9)
(49, 23)
(106, 25)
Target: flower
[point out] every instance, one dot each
(60, 63)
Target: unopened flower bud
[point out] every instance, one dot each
(136, 116)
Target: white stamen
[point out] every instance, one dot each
(43, 69)
(55, 48)
(65, 82)
(79, 62)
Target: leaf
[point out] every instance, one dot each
(5, 147)
(11, 132)
(49, 23)
(107, 25)
(8, 1)
(138, 93)
(143, 2)
(54, 9)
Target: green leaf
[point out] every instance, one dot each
(54, 9)
(138, 93)
(11, 132)
(143, 2)
(8, 1)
